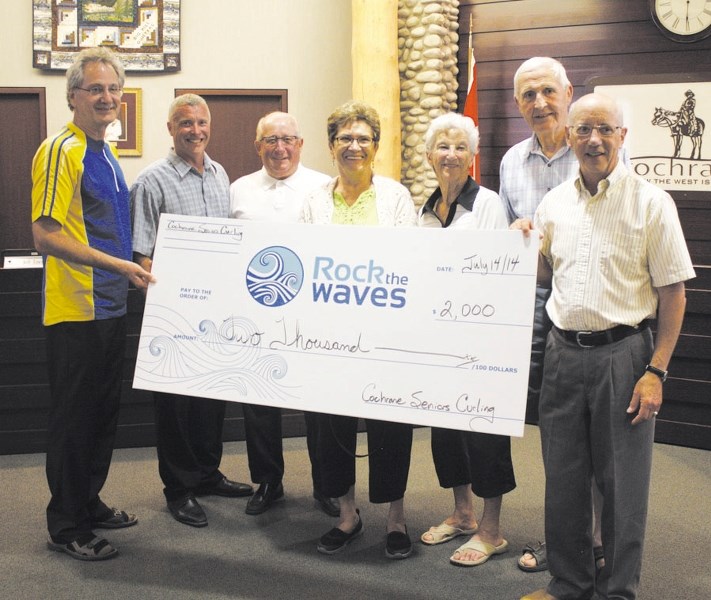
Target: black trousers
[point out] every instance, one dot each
(389, 448)
(85, 361)
(469, 457)
(265, 451)
(188, 441)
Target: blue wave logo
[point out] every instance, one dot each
(275, 276)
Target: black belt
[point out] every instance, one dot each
(588, 339)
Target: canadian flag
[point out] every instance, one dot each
(471, 104)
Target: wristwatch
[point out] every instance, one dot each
(658, 372)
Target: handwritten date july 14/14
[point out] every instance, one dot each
(483, 265)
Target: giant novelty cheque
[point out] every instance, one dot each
(422, 326)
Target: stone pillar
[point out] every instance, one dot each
(428, 44)
(376, 78)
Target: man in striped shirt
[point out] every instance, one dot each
(614, 251)
(81, 225)
(534, 167)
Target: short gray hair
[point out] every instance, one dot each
(449, 121)
(541, 62)
(186, 100)
(75, 73)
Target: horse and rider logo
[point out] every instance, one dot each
(682, 123)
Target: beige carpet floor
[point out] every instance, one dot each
(274, 555)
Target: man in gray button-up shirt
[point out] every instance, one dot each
(188, 430)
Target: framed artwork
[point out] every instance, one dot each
(666, 116)
(145, 33)
(126, 132)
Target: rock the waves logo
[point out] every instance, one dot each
(275, 276)
(362, 284)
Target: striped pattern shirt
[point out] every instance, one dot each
(609, 251)
(77, 182)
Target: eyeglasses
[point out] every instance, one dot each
(273, 140)
(98, 90)
(346, 140)
(584, 131)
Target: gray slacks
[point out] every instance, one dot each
(585, 433)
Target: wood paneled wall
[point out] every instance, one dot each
(596, 38)
(590, 37)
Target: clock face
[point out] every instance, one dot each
(683, 20)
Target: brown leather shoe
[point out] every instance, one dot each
(541, 594)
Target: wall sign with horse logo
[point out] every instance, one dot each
(666, 127)
(682, 123)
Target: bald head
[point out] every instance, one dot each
(596, 102)
(268, 120)
(279, 144)
(596, 133)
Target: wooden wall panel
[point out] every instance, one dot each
(599, 38)
(23, 126)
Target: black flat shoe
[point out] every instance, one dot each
(398, 545)
(188, 511)
(328, 505)
(227, 488)
(264, 497)
(336, 540)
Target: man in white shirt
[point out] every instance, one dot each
(613, 247)
(277, 190)
(276, 193)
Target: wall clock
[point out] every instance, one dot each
(682, 20)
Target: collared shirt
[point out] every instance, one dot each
(260, 197)
(171, 185)
(609, 251)
(77, 182)
(526, 175)
(476, 207)
(393, 204)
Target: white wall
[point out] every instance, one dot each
(301, 45)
